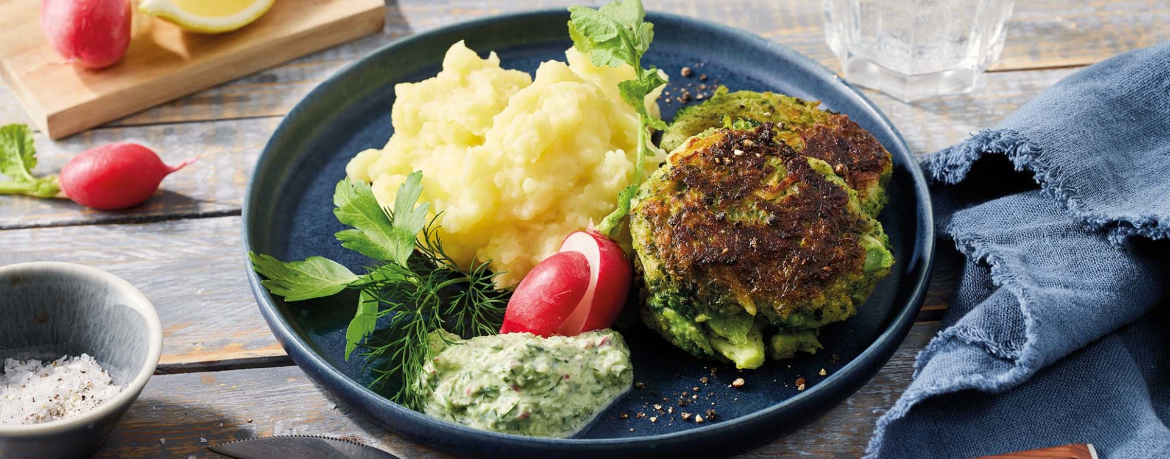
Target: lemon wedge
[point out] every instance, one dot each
(207, 16)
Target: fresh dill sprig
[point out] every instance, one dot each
(443, 297)
(416, 288)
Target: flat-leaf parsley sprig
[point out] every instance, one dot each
(614, 35)
(416, 288)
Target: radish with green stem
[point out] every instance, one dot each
(108, 177)
(561, 295)
(114, 176)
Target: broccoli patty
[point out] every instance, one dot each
(739, 236)
(853, 152)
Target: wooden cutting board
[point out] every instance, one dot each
(163, 62)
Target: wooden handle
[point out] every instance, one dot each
(1079, 451)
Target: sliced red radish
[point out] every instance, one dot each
(609, 282)
(581, 288)
(547, 295)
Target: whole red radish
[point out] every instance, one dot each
(92, 33)
(114, 176)
(548, 295)
(581, 288)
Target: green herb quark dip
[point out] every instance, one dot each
(520, 383)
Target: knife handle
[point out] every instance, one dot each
(1077, 451)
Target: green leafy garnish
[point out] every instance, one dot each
(363, 324)
(18, 157)
(315, 277)
(415, 288)
(409, 220)
(616, 34)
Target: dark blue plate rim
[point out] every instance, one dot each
(321, 371)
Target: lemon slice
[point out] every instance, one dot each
(207, 16)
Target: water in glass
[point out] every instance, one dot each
(913, 49)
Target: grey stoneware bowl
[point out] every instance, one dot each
(48, 310)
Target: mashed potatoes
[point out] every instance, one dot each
(514, 164)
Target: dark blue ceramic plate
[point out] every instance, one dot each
(287, 214)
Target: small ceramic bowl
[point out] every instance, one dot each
(48, 310)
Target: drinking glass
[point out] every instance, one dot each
(912, 49)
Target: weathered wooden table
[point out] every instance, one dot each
(223, 376)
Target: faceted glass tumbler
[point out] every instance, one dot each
(913, 49)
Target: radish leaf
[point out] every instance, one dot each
(613, 35)
(634, 93)
(18, 157)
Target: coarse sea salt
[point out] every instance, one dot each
(32, 392)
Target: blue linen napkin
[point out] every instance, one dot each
(1035, 350)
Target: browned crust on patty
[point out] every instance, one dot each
(727, 219)
(854, 153)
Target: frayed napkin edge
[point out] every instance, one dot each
(952, 164)
(1026, 362)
